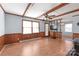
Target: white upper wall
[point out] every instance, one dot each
(2, 22)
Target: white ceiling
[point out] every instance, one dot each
(16, 8)
(67, 16)
(37, 9)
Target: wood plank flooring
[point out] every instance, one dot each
(38, 47)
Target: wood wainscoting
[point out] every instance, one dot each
(16, 37)
(12, 38)
(34, 35)
(75, 35)
(42, 34)
(1, 41)
(55, 34)
(26, 36)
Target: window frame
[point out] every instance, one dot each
(31, 26)
(23, 27)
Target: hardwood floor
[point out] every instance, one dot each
(38, 47)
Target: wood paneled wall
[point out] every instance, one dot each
(26, 36)
(34, 35)
(42, 34)
(55, 34)
(75, 35)
(12, 38)
(16, 37)
(1, 41)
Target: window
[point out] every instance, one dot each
(68, 27)
(35, 27)
(27, 27)
(30, 27)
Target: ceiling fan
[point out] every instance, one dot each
(49, 16)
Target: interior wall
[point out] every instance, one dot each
(42, 26)
(13, 29)
(2, 22)
(75, 27)
(67, 21)
(14, 24)
(2, 28)
(73, 21)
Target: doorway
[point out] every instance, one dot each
(46, 29)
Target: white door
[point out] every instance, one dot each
(46, 29)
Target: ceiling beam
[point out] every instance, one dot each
(54, 8)
(27, 8)
(2, 8)
(66, 13)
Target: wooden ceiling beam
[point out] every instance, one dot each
(66, 13)
(54, 8)
(27, 8)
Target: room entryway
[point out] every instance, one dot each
(46, 29)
